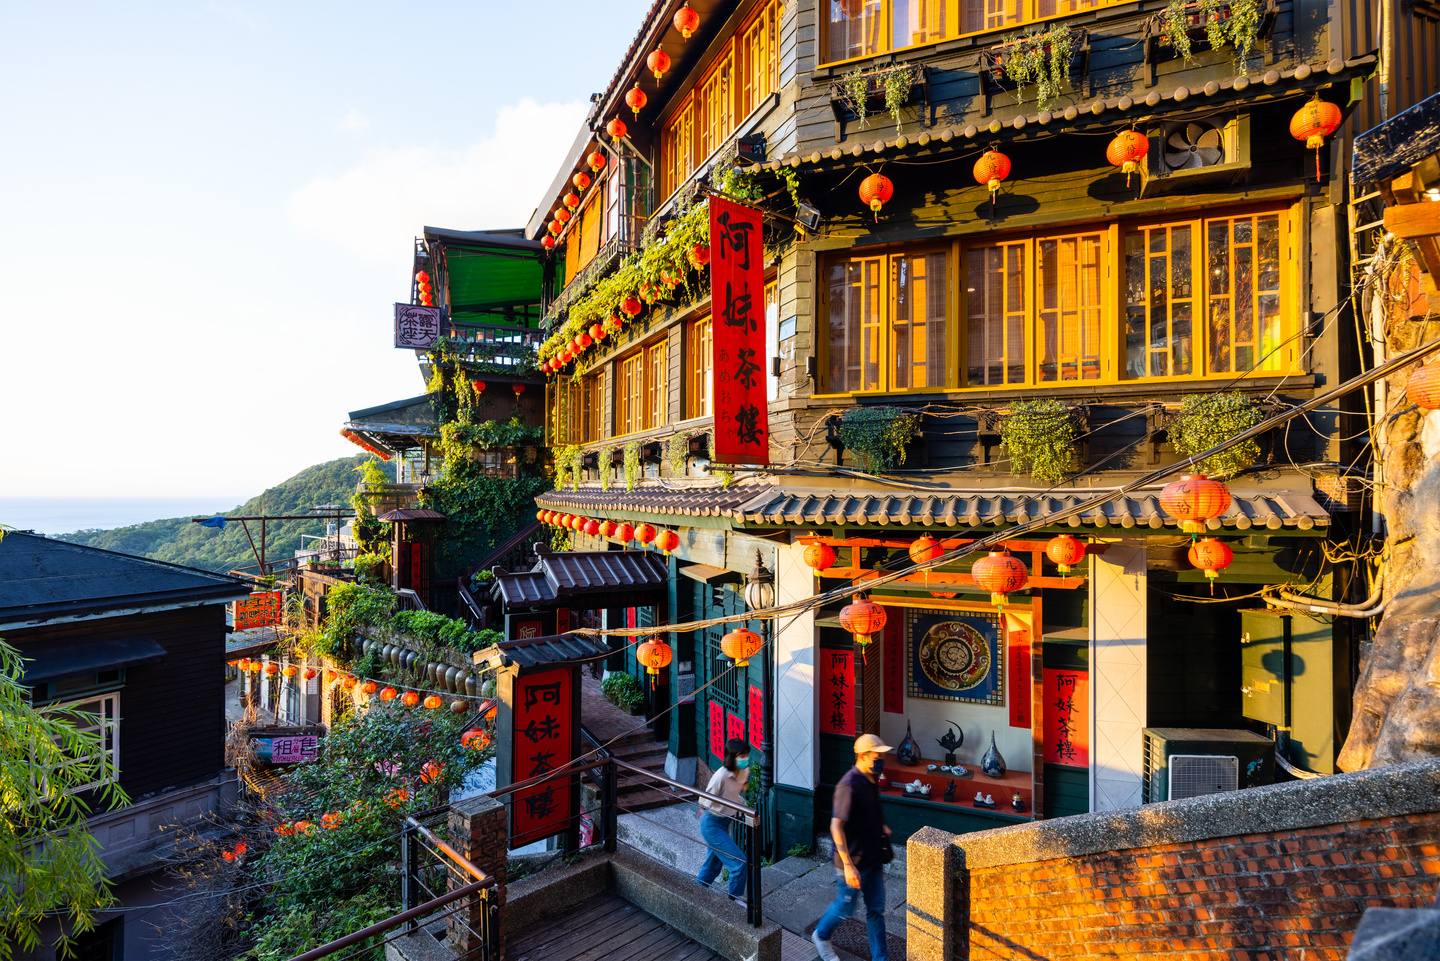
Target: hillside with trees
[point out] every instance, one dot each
(179, 541)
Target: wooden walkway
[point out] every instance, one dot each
(605, 927)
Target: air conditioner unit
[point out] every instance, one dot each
(1254, 757)
(1190, 153)
(1195, 775)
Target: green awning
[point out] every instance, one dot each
(490, 276)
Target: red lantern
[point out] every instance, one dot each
(349, 682)
(290, 670)
(577, 523)
(1212, 557)
(409, 698)
(1314, 122)
(876, 190)
(616, 128)
(479, 386)
(992, 167)
(658, 62)
(1000, 574)
(540, 516)
(655, 655)
(556, 226)
(518, 389)
(423, 277)
(244, 664)
(596, 161)
(240, 849)
(562, 214)
(581, 181)
(631, 305)
(925, 548)
(433, 701)
(228, 855)
(566, 356)
(272, 669)
(1065, 551)
(1423, 386)
(686, 20)
(311, 673)
(389, 694)
(864, 618)
(571, 201)
(700, 255)
(431, 771)
(368, 687)
(548, 242)
(597, 332)
(583, 340)
(1193, 500)
(644, 533)
(635, 99)
(819, 556)
(592, 527)
(1127, 150)
(625, 532)
(740, 645)
(667, 541)
(607, 528)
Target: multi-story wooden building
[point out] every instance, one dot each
(1219, 265)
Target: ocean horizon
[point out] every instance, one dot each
(65, 515)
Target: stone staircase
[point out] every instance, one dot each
(628, 739)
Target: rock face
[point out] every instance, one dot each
(1397, 700)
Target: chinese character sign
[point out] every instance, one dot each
(1018, 649)
(837, 691)
(1067, 717)
(737, 285)
(542, 743)
(894, 662)
(734, 727)
(755, 707)
(416, 327)
(294, 750)
(716, 729)
(259, 610)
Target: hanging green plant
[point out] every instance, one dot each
(878, 436)
(1042, 59)
(897, 83)
(725, 477)
(565, 460)
(577, 462)
(632, 465)
(855, 91)
(607, 454)
(677, 452)
(1040, 438)
(1209, 419)
(1176, 26)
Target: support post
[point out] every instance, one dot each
(610, 801)
(409, 881)
(479, 830)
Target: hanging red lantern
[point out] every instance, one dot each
(1211, 556)
(686, 20)
(244, 664)
(625, 532)
(597, 332)
(479, 386)
(409, 698)
(1194, 499)
(548, 242)
(1065, 551)
(876, 191)
(240, 849)
(566, 355)
(433, 701)
(616, 127)
(700, 255)
(864, 618)
(368, 687)
(562, 214)
(992, 167)
(290, 670)
(925, 548)
(1423, 386)
(228, 855)
(607, 528)
(577, 523)
(556, 226)
(272, 668)
(819, 556)
(583, 340)
(592, 527)
(740, 645)
(389, 694)
(581, 181)
(423, 277)
(635, 99)
(1314, 122)
(311, 674)
(540, 516)
(596, 161)
(1127, 150)
(349, 682)
(667, 541)
(631, 305)
(518, 390)
(1000, 574)
(644, 533)
(570, 201)
(658, 62)
(430, 771)
(655, 655)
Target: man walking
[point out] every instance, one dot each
(861, 848)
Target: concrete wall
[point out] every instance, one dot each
(1271, 872)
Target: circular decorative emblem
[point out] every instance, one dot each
(954, 656)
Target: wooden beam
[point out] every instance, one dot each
(949, 544)
(946, 578)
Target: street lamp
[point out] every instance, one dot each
(760, 586)
(760, 596)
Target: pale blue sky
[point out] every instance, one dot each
(206, 211)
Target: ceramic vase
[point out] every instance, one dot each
(993, 764)
(908, 752)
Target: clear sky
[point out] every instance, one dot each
(207, 211)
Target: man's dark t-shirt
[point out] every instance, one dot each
(857, 802)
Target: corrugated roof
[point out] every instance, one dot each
(524, 589)
(688, 501)
(980, 508)
(581, 573)
(539, 651)
(411, 514)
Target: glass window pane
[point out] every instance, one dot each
(1069, 294)
(995, 315)
(919, 322)
(915, 22)
(853, 28)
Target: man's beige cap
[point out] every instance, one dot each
(867, 743)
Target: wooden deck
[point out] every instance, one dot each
(607, 927)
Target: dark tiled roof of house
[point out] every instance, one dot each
(689, 501)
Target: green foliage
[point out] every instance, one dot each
(480, 513)
(1209, 419)
(1042, 59)
(622, 690)
(1040, 438)
(1238, 30)
(295, 932)
(372, 536)
(351, 608)
(725, 477)
(49, 860)
(1177, 29)
(179, 541)
(632, 465)
(855, 91)
(370, 567)
(897, 82)
(799, 851)
(607, 454)
(878, 436)
(677, 452)
(565, 460)
(435, 628)
(457, 439)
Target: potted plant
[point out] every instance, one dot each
(862, 92)
(1209, 419)
(877, 436)
(623, 691)
(1039, 436)
(1042, 59)
(1236, 23)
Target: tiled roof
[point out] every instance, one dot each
(975, 508)
(568, 574)
(537, 651)
(689, 501)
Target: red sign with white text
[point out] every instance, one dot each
(1067, 717)
(259, 610)
(543, 740)
(737, 291)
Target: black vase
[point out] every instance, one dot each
(992, 763)
(908, 752)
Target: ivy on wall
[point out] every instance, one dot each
(1040, 438)
(1209, 419)
(878, 436)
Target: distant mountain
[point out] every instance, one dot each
(180, 541)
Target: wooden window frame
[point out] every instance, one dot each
(700, 371)
(642, 388)
(108, 722)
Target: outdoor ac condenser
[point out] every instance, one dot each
(1194, 775)
(1254, 754)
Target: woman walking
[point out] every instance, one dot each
(715, 819)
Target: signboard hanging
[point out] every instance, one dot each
(259, 610)
(734, 727)
(737, 285)
(894, 662)
(542, 742)
(1067, 717)
(1017, 647)
(416, 327)
(716, 727)
(756, 710)
(837, 692)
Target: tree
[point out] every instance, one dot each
(49, 861)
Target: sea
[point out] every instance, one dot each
(64, 515)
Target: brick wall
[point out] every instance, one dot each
(1180, 880)
(479, 830)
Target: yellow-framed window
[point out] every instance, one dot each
(1070, 306)
(851, 29)
(1160, 300)
(1245, 287)
(575, 411)
(919, 319)
(700, 399)
(997, 301)
(657, 384)
(917, 22)
(758, 53)
(888, 322)
(594, 402)
(853, 342)
(677, 149)
(630, 393)
(714, 96)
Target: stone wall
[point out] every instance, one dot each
(1276, 872)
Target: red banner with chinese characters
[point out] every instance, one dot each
(756, 710)
(893, 687)
(716, 728)
(259, 610)
(543, 740)
(837, 691)
(734, 727)
(737, 290)
(1017, 648)
(1067, 717)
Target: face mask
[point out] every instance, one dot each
(742, 762)
(879, 767)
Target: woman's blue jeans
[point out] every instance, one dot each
(872, 889)
(724, 852)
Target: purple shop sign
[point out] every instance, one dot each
(294, 750)
(415, 326)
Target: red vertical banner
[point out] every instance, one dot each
(837, 691)
(562, 620)
(543, 740)
(737, 291)
(1067, 717)
(717, 729)
(734, 727)
(417, 567)
(755, 707)
(1017, 672)
(894, 641)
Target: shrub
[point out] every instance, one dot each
(1209, 419)
(622, 690)
(1040, 438)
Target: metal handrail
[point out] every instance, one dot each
(380, 927)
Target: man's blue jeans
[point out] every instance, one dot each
(872, 889)
(723, 852)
